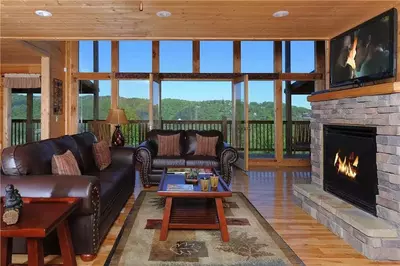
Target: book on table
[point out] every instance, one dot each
(179, 187)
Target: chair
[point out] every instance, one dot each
(101, 130)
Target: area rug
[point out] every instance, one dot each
(252, 239)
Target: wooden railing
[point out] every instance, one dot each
(21, 133)
(261, 133)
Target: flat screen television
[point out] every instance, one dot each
(366, 53)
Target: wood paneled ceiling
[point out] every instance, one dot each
(16, 53)
(121, 19)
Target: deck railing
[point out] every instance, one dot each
(261, 133)
(21, 133)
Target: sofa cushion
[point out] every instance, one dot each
(191, 140)
(85, 143)
(168, 161)
(206, 146)
(65, 164)
(152, 137)
(168, 145)
(25, 159)
(102, 155)
(202, 161)
(64, 143)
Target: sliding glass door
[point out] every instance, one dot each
(240, 120)
(155, 119)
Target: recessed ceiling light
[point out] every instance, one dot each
(43, 13)
(163, 14)
(281, 13)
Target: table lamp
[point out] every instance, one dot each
(117, 117)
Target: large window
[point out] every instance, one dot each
(176, 56)
(134, 98)
(302, 56)
(135, 56)
(257, 56)
(261, 116)
(216, 56)
(87, 56)
(194, 100)
(94, 100)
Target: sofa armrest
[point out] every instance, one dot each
(123, 155)
(57, 186)
(227, 153)
(144, 155)
(227, 156)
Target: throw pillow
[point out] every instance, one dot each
(65, 164)
(102, 155)
(206, 146)
(168, 145)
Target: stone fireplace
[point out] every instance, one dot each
(355, 158)
(350, 164)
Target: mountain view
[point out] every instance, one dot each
(172, 109)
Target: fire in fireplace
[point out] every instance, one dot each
(350, 165)
(347, 166)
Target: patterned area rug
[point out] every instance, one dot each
(252, 239)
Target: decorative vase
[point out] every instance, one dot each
(117, 138)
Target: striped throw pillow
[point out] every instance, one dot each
(102, 155)
(206, 146)
(65, 164)
(168, 145)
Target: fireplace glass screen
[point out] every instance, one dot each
(350, 165)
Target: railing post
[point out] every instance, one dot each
(29, 117)
(225, 128)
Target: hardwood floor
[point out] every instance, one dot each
(270, 191)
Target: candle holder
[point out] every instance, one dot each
(204, 184)
(214, 182)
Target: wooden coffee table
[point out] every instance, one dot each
(193, 209)
(39, 217)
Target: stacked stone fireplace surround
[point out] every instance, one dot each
(378, 237)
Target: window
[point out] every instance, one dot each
(195, 100)
(94, 101)
(257, 57)
(135, 56)
(134, 98)
(261, 116)
(176, 56)
(216, 56)
(86, 56)
(19, 106)
(302, 56)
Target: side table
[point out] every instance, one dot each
(39, 217)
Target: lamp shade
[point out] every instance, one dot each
(117, 116)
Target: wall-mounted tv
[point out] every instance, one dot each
(366, 53)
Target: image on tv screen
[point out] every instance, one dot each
(364, 52)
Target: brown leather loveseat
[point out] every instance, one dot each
(151, 164)
(103, 193)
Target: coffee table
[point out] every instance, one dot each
(193, 209)
(39, 217)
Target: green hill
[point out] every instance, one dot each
(172, 109)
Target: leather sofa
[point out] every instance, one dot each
(151, 165)
(104, 193)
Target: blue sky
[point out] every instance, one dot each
(215, 56)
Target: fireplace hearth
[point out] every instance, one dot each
(350, 165)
